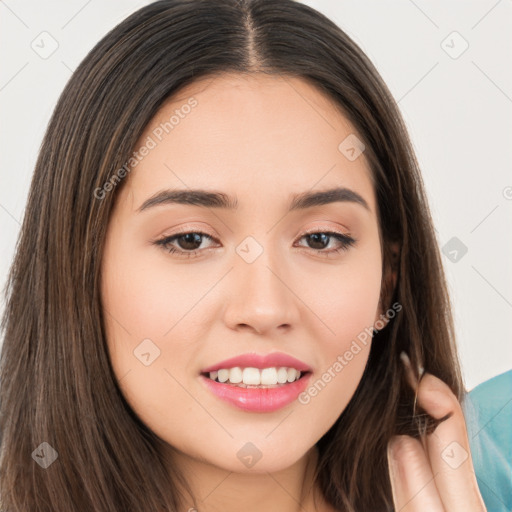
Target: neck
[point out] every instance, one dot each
(289, 490)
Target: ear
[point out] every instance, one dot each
(391, 261)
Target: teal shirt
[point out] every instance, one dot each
(488, 414)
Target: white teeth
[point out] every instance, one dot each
(223, 375)
(282, 375)
(292, 373)
(235, 375)
(251, 376)
(269, 376)
(244, 377)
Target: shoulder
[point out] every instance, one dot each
(488, 413)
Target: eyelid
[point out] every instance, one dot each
(347, 241)
(324, 229)
(185, 230)
(309, 231)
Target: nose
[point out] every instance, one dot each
(261, 296)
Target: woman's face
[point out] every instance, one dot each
(257, 282)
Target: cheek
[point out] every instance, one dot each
(144, 311)
(345, 298)
(348, 308)
(134, 308)
(145, 297)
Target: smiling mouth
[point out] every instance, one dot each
(254, 378)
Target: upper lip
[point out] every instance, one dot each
(252, 360)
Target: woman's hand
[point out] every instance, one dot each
(435, 474)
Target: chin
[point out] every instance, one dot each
(244, 457)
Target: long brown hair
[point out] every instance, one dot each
(57, 385)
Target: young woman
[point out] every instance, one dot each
(228, 294)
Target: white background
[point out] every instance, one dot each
(458, 111)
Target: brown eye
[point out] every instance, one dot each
(189, 241)
(319, 240)
(186, 244)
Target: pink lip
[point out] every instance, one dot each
(258, 399)
(275, 359)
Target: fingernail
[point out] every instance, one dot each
(411, 377)
(407, 362)
(405, 359)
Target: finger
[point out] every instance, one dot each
(448, 448)
(412, 482)
(413, 378)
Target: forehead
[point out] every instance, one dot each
(247, 134)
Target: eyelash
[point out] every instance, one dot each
(345, 240)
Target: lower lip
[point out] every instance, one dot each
(258, 399)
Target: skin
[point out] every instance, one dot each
(434, 473)
(261, 139)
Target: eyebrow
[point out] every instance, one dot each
(215, 199)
